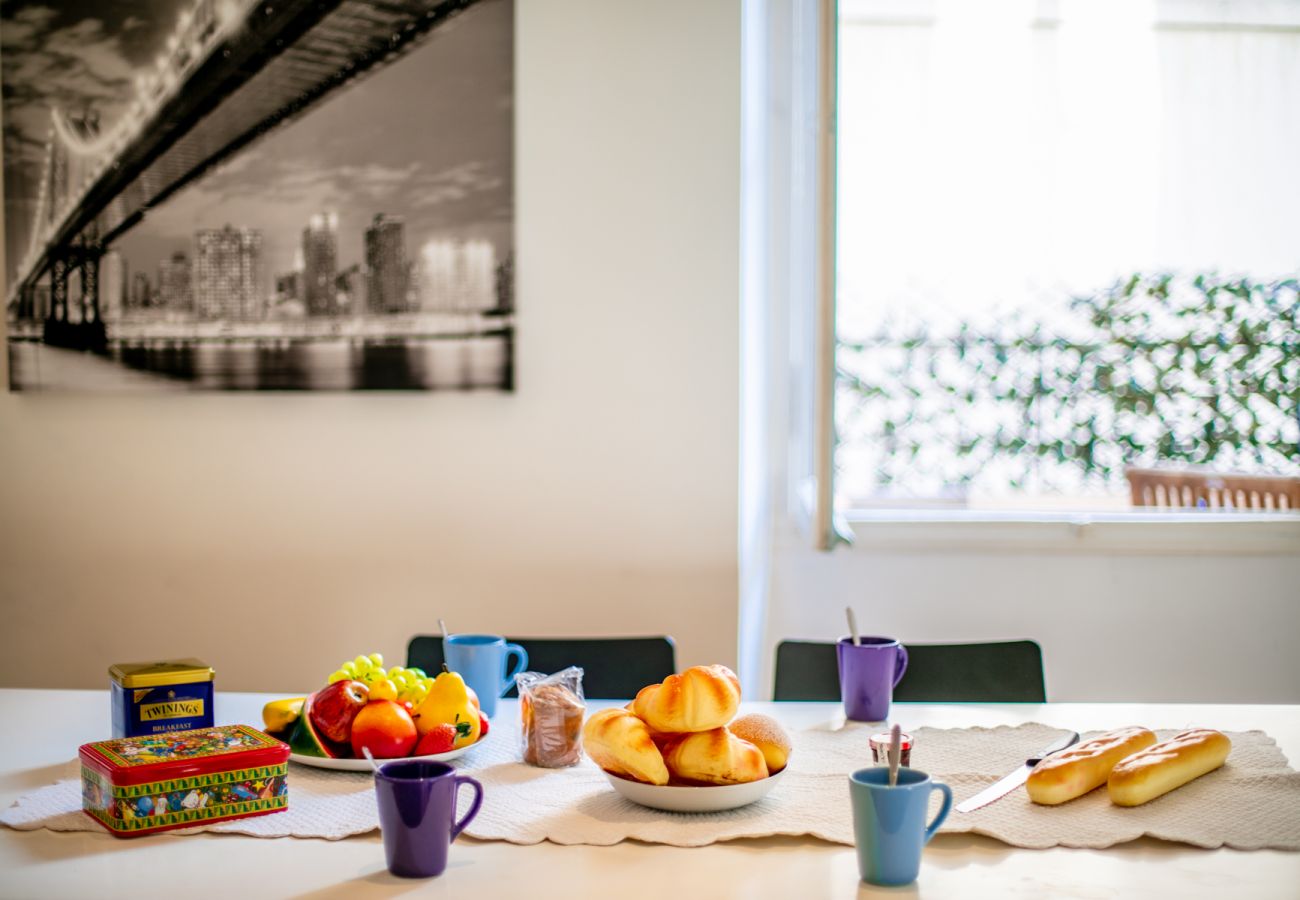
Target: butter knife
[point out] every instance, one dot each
(1008, 784)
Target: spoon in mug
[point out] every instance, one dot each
(370, 756)
(853, 626)
(895, 753)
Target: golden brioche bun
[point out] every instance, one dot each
(1078, 770)
(700, 699)
(1170, 764)
(714, 757)
(765, 733)
(619, 742)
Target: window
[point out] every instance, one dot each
(1056, 537)
(1067, 247)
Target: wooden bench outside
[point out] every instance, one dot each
(1212, 490)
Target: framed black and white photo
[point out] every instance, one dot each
(237, 195)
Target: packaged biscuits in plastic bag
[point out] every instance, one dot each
(553, 709)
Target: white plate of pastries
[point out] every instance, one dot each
(679, 746)
(687, 799)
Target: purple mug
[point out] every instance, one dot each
(868, 674)
(417, 814)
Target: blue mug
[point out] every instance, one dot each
(481, 661)
(889, 822)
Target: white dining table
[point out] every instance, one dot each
(43, 729)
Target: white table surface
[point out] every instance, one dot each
(42, 730)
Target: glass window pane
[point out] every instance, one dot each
(1068, 245)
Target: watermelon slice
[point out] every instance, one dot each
(306, 741)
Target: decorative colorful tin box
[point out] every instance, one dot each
(158, 782)
(156, 697)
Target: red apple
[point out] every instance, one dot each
(334, 708)
(386, 728)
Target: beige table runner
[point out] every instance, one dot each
(1252, 802)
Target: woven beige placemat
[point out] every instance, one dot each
(1252, 802)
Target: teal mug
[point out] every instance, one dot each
(889, 826)
(481, 659)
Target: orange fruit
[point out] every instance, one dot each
(386, 727)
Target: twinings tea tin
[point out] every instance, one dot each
(180, 779)
(158, 697)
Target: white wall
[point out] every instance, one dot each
(1113, 626)
(276, 535)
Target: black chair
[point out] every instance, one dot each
(998, 672)
(613, 668)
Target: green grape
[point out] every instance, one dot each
(395, 671)
(417, 671)
(400, 682)
(362, 663)
(377, 660)
(349, 668)
(339, 676)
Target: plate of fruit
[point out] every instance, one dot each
(395, 713)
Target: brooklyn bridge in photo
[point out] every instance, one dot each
(280, 200)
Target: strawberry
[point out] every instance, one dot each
(439, 739)
(482, 725)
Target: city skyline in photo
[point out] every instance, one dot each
(437, 160)
(223, 276)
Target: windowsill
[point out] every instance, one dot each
(1015, 531)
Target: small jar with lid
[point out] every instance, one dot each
(158, 697)
(880, 748)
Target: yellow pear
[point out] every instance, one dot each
(448, 703)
